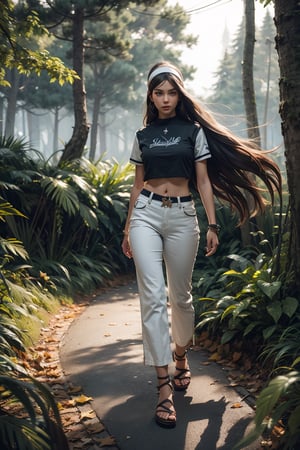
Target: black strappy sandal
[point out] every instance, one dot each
(162, 406)
(182, 373)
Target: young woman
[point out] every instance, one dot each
(181, 143)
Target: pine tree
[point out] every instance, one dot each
(227, 97)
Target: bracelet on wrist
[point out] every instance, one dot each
(214, 227)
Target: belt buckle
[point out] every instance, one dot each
(166, 202)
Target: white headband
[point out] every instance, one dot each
(164, 69)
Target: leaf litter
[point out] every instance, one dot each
(81, 425)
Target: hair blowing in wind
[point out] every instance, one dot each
(234, 160)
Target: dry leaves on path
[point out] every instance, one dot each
(81, 425)
(241, 369)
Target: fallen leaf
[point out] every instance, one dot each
(48, 355)
(236, 405)
(68, 404)
(82, 399)
(87, 415)
(51, 339)
(214, 357)
(70, 315)
(107, 442)
(40, 347)
(236, 356)
(266, 443)
(278, 430)
(53, 373)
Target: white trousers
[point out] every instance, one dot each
(164, 242)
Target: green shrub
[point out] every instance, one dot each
(278, 404)
(253, 303)
(72, 217)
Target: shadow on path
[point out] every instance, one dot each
(102, 352)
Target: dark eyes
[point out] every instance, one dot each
(158, 93)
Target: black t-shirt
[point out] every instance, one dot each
(169, 148)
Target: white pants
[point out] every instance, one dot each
(171, 235)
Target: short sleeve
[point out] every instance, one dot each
(201, 147)
(136, 154)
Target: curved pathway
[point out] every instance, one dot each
(102, 352)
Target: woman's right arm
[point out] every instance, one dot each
(135, 191)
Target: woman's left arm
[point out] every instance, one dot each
(204, 188)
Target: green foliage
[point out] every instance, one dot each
(229, 82)
(72, 217)
(34, 432)
(253, 303)
(19, 41)
(19, 299)
(283, 352)
(135, 36)
(120, 44)
(278, 403)
(247, 297)
(207, 276)
(248, 301)
(70, 226)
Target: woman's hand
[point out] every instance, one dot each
(212, 242)
(126, 246)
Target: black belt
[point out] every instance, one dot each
(164, 198)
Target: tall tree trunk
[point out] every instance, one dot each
(266, 108)
(103, 141)
(12, 103)
(94, 127)
(287, 21)
(34, 133)
(24, 118)
(248, 82)
(75, 147)
(249, 93)
(55, 130)
(1, 115)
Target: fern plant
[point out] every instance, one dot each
(72, 216)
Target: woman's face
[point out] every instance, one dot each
(165, 97)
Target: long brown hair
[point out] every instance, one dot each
(234, 159)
